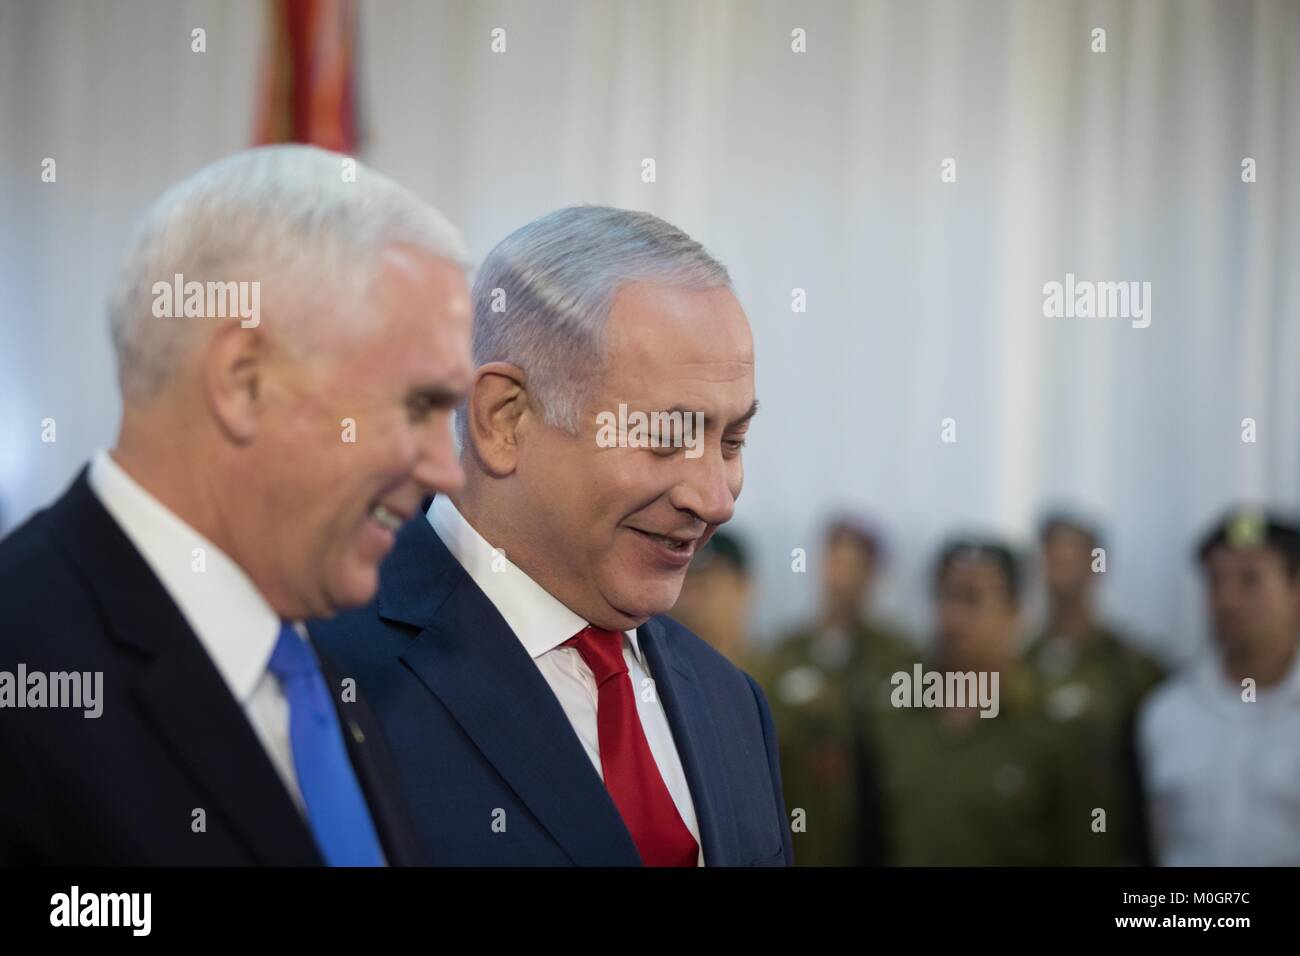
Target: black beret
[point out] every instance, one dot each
(1254, 529)
(991, 550)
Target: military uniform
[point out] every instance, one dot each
(1093, 688)
(823, 686)
(991, 791)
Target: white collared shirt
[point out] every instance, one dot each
(233, 621)
(542, 625)
(1223, 774)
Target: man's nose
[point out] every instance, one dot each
(438, 470)
(705, 489)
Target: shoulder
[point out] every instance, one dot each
(415, 580)
(39, 581)
(358, 635)
(45, 559)
(889, 647)
(30, 546)
(1144, 669)
(347, 622)
(792, 643)
(717, 674)
(1024, 696)
(1169, 706)
(1122, 645)
(706, 659)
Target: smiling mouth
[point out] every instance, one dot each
(386, 517)
(682, 546)
(673, 544)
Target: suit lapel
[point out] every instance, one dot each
(178, 687)
(696, 738)
(467, 656)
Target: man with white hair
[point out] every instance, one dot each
(542, 708)
(292, 334)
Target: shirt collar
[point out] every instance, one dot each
(233, 621)
(540, 621)
(1285, 693)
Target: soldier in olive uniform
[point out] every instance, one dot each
(1094, 682)
(823, 681)
(970, 784)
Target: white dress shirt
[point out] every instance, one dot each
(1223, 774)
(233, 622)
(542, 624)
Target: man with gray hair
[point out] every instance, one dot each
(543, 709)
(292, 334)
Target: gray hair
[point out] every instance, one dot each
(284, 213)
(543, 295)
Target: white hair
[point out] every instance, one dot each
(543, 295)
(285, 216)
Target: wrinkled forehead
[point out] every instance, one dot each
(678, 345)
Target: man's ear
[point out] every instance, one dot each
(232, 370)
(495, 415)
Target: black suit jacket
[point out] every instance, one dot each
(123, 788)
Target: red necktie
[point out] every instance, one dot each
(631, 775)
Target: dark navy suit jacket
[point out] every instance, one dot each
(76, 595)
(495, 773)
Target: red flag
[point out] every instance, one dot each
(308, 84)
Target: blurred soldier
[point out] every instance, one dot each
(715, 597)
(1220, 742)
(978, 782)
(1093, 682)
(823, 680)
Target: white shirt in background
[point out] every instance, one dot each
(1222, 775)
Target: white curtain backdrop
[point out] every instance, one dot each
(816, 170)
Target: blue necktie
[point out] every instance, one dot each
(336, 808)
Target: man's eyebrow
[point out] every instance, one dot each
(744, 419)
(438, 395)
(710, 423)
